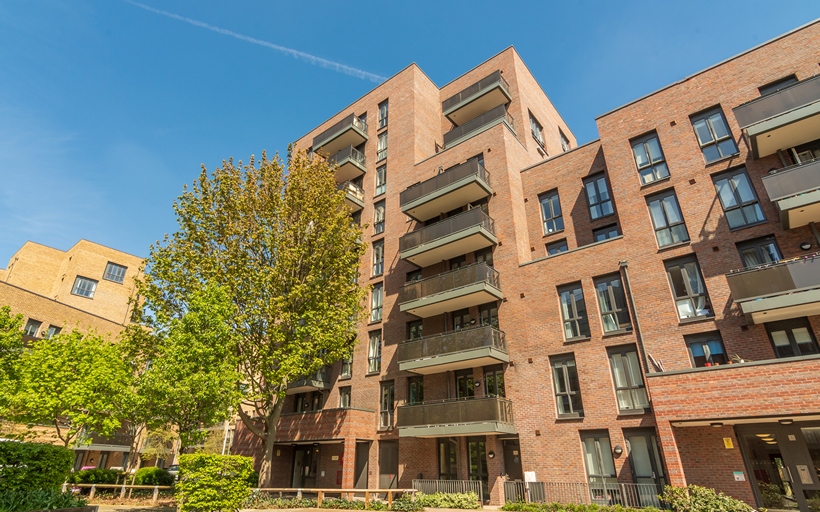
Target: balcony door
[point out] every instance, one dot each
(647, 466)
(465, 388)
(477, 463)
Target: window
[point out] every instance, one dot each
(551, 212)
(612, 303)
(738, 199)
(574, 312)
(415, 329)
(376, 300)
(344, 397)
(413, 276)
(114, 272)
(347, 367)
(488, 314)
(713, 135)
(381, 179)
(84, 287)
(537, 131)
(386, 416)
(600, 204)
(606, 232)
(381, 148)
(383, 114)
(667, 219)
(33, 327)
(705, 349)
(448, 459)
(494, 381)
(53, 331)
(649, 158)
(567, 388)
(760, 251)
(564, 141)
(415, 392)
(691, 299)
(792, 338)
(458, 262)
(374, 352)
(485, 256)
(777, 85)
(461, 319)
(306, 402)
(378, 218)
(357, 217)
(598, 460)
(378, 258)
(464, 384)
(626, 374)
(557, 247)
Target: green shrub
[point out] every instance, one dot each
(265, 500)
(253, 480)
(560, 507)
(697, 498)
(814, 504)
(772, 495)
(213, 482)
(153, 476)
(94, 476)
(29, 466)
(19, 500)
(343, 503)
(406, 504)
(464, 500)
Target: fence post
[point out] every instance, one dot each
(367, 499)
(156, 494)
(298, 494)
(122, 491)
(64, 486)
(389, 499)
(93, 491)
(319, 497)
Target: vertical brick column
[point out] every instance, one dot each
(349, 463)
(495, 470)
(669, 447)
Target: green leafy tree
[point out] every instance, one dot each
(73, 381)
(11, 347)
(280, 241)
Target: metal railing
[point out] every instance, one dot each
(469, 168)
(499, 112)
(584, 493)
(351, 189)
(321, 494)
(319, 376)
(464, 276)
(452, 342)
(776, 278)
(350, 153)
(118, 439)
(455, 411)
(446, 227)
(793, 180)
(485, 83)
(786, 99)
(350, 121)
(122, 487)
(449, 487)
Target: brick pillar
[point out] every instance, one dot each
(349, 463)
(669, 447)
(495, 470)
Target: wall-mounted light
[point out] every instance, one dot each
(805, 246)
(787, 421)
(618, 449)
(491, 455)
(477, 383)
(716, 424)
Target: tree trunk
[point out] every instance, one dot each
(271, 421)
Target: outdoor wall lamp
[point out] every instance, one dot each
(491, 455)
(805, 246)
(786, 422)
(716, 424)
(618, 449)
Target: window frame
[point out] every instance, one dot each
(595, 181)
(644, 142)
(376, 302)
(494, 380)
(669, 226)
(633, 387)
(378, 258)
(52, 331)
(417, 382)
(601, 455)
(76, 289)
(617, 311)
(414, 329)
(381, 146)
(114, 277)
(548, 200)
(346, 371)
(691, 295)
(384, 108)
(777, 85)
(557, 244)
(576, 318)
(789, 326)
(740, 205)
(757, 245)
(558, 366)
(537, 131)
(345, 391)
(565, 144)
(32, 325)
(704, 339)
(379, 214)
(374, 352)
(706, 116)
(381, 180)
(606, 229)
(387, 389)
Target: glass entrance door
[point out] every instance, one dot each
(477, 463)
(647, 467)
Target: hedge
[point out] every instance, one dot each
(153, 476)
(94, 476)
(213, 482)
(40, 499)
(31, 466)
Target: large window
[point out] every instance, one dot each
(448, 458)
(760, 251)
(706, 349)
(488, 314)
(374, 352)
(381, 148)
(378, 218)
(494, 381)
(386, 405)
(114, 272)
(537, 130)
(378, 257)
(688, 290)
(792, 338)
(551, 212)
(600, 203)
(713, 135)
(667, 219)
(347, 367)
(598, 460)
(33, 328)
(344, 397)
(574, 311)
(649, 158)
(567, 388)
(376, 301)
(612, 303)
(383, 114)
(84, 287)
(738, 198)
(415, 391)
(415, 329)
(628, 380)
(381, 179)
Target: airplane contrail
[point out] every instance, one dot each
(318, 61)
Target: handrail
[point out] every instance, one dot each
(122, 488)
(469, 168)
(472, 89)
(450, 280)
(780, 263)
(446, 227)
(351, 120)
(450, 342)
(499, 112)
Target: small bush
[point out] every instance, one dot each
(696, 498)
(213, 482)
(343, 503)
(94, 476)
(406, 504)
(253, 480)
(464, 500)
(19, 500)
(264, 500)
(30, 466)
(560, 507)
(772, 495)
(153, 476)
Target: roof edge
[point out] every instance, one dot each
(559, 155)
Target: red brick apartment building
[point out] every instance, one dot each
(607, 318)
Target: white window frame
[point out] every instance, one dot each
(84, 287)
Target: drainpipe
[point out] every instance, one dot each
(638, 334)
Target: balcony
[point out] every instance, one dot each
(484, 95)
(462, 288)
(467, 417)
(457, 186)
(354, 195)
(466, 232)
(783, 119)
(351, 164)
(326, 424)
(117, 442)
(789, 289)
(350, 131)
(455, 350)
(796, 192)
(479, 124)
(316, 382)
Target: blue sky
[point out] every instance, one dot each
(108, 108)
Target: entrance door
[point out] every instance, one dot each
(362, 459)
(388, 464)
(647, 467)
(305, 463)
(477, 463)
(783, 462)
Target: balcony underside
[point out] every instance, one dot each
(100, 447)
(475, 105)
(782, 307)
(787, 130)
(354, 203)
(473, 358)
(799, 210)
(464, 191)
(458, 430)
(349, 169)
(452, 300)
(461, 242)
(350, 135)
(307, 385)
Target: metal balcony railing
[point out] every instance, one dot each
(464, 276)
(469, 168)
(351, 153)
(351, 189)
(350, 121)
(446, 227)
(583, 493)
(775, 279)
(450, 487)
(499, 112)
(793, 180)
(795, 96)
(318, 376)
(485, 83)
(454, 412)
(452, 342)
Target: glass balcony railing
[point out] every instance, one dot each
(349, 153)
(447, 227)
(452, 280)
(317, 380)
